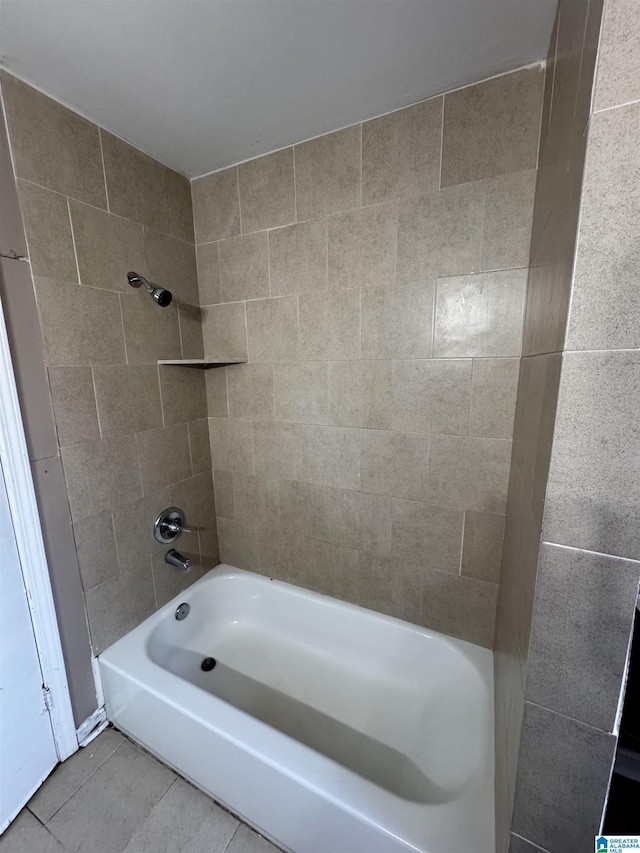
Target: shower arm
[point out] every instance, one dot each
(159, 294)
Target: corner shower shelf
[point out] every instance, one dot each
(203, 363)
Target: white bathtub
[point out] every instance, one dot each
(329, 728)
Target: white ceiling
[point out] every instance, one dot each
(201, 84)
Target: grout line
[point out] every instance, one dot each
(239, 204)
(124, 337)
(95, 400)
(295, 189)
(73, 239)
(104, 170)
(161, 400)
(361, 190)
(464, 524)
(441, 144)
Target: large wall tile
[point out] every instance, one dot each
(100, 474)
(618, 80)
(333, 570)
(330, 325)
(133, 528)
(128, 399)
(432, 395)
(151, 332)
(250, 392)
(196, 497)
(493, 396)
(216, 206)
(331, 455)
(232, 445)
(216, 386)
(74, 404)
(362, 246)
(107, 247)
(136, 184)
(390, 587)
(191, 337)
(361, 394)
(327, 173)
(244, 267)
(563, 777)
(224, 329)
(223, 489)
(426, 535)
(482, 546)
(306, 509)
(200, 445)
(577, 665)
(439, 233)
(238, 544)
(256, 501)
(301, 392)
(180, 207)
(360, 520)
(469, 472)
(595, 465)
(492, 128)
(507, 221)
(278, 450)
(81, 325)
(119, 604)
(283, 555)
(172, 264)
(208, 273)
(298, 258)
(169, 581)
(53, 146)
(394, 463)
(272, 329)
(397, 320)
(267, 193)
(401, 152)
(164, 456)
(184, 394)
(46, 223)
(480, 315)
(96, 548)
(463, 607)
(605, 310)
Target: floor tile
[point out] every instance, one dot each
(184, 821)
(104, 814)
(247, 841)
(28, 835)
(68, 777)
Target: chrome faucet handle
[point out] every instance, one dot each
(169, 525)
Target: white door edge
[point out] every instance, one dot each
(28, 533)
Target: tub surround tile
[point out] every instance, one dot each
(460, 606)
(223, 489)
(397, 320)
(71, 775)
(48, 231)
(172, 264)
(224, 329)
(184, 820)
(267, 192)
(169, 581)
(272, 329)
(232, 445)
(362, 246)
(332, 570)
(576, 666)
(216, 388)
(100, 474)
(330, 325)
(74, 404)
(439, 233)
(301, 392)
(250, 392)
(327, 172)
(184, 394)
(394, 463)
(330, 455)
(283, 555)
(278, 450)
(298, 258)
(150, 333)
(244, 267)
(53, 146)
(432, 395)
(618, 64)
(128, 399)
(96, 549)
(306, 509)
(238, 544)
(494, 388)
(401, 152)
(133, 525)
(164, 456)
(471, 473)
(389, 586)
(361, 394)
(136, 184)
(216, 206)
(256, 500)
(491, 128)
(107, 247)
(199, 445)
(426, 535)
(98, 817)
(208, 264)
(482, 546)
(563, 776)
(360, 520)
(507, 221)
(180, 207)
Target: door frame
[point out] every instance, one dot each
(33, 561)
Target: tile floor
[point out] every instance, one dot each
(112, 797)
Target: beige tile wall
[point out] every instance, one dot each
(375, 280)
(133, 436)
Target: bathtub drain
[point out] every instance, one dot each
(208, 664)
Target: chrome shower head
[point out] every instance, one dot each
(159, 294)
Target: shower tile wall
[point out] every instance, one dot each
(375, 280)
(133, 436)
